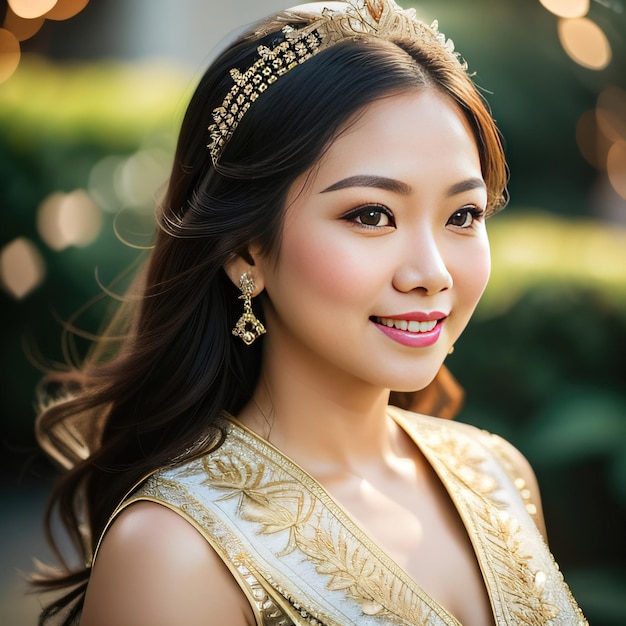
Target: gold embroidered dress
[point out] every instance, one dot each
(300, 559)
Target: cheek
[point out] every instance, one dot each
(327, 266)
(472, 271)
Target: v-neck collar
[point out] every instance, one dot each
(312, 485)
(263, 512)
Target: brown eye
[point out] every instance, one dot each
(372, 217)
(464, 218)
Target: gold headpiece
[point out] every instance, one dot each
(377, 18)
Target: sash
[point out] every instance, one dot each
(300, 558)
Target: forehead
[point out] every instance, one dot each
(419, 139)
(402, 135)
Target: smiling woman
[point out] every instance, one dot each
(348, 249)
(235, 460)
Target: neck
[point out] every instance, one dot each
(319, 418)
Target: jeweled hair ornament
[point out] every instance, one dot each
(335, 22)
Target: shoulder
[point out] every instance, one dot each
(154, 567)
(508, 456)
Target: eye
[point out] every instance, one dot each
(465, 217)
(371, 216)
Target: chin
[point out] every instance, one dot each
(413, 384)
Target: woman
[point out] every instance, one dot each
(235, 460)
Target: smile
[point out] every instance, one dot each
(412, 326)
(414, 333)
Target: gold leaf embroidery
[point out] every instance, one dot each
(463, 464)
(273, 495)
(353, 569)
(275, 505)
(280, 504)
(521, 588)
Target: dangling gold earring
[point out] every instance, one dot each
(451, 350)
(248, 326)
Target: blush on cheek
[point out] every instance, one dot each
(331, 270)
(477, 274)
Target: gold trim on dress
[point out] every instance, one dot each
(280, 531)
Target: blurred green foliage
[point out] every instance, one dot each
(543, 363)
(536, 92)
(56, 123)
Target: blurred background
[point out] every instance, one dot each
(91, 96)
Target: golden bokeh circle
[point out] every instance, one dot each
(9, 54)
(616, 167)
(64, 9)
(592, 143)
(585, 42)
(22, 267)
(22, 28)
(567, 8)
(30, 9)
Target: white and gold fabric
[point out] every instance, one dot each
(300, 558)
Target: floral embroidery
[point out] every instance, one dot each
(278, 504)
(520, 585)
(247, 491)
(351, 568)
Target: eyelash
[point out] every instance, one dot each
(353, 216)
(477, 214)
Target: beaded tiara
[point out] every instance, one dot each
(335, 22)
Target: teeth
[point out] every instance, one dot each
(413, 327)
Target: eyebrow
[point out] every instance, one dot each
(365, 180)
(397, 186)
(467, 185)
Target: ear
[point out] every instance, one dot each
(239, 264)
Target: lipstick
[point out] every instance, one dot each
(415, 329)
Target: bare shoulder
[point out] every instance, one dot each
(154, 567)
(522, 473)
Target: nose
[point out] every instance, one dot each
(423, 266)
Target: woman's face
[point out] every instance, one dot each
(384, 253)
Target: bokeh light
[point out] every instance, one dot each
(101, 187)
(21, 267)
(616, 167)
(585, 42)
(567, 8)
(64, 9)
(30, 9)
(22, 28)
(593, 144)
(9, 53)
(611, 113)
(601, 137)
(71, 219)
(139, 177)
(22, 20)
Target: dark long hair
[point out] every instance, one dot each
(153, 399)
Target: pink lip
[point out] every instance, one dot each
(414, 340)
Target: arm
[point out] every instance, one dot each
(154, 568)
